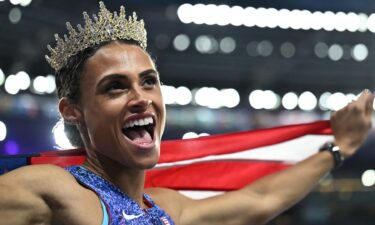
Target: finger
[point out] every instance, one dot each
(366, 99)
(364, 94)
(369, 104)
(363, 100)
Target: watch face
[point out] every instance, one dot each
(335, 148)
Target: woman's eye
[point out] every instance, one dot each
(115, 86)
(150, 81)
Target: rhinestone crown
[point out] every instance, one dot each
(106, 26)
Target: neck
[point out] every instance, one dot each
(129, 181)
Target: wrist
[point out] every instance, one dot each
(335, 151)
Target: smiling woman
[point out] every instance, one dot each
(119, 85)
(112, 105)
(68, 79)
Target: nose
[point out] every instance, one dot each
(138, 103)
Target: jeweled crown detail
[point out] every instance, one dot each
(106, 26)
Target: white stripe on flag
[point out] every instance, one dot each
(291, 151)
(201, 194)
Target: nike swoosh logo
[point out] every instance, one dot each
(130, 217)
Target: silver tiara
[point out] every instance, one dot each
(107, 26)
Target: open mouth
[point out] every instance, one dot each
(140, 131)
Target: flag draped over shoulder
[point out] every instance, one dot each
(218, 163)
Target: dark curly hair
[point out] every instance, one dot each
(68, 80)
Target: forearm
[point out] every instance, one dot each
(282, 190)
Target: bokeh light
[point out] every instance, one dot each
(60, 137)
(2, 77)
(290, 101)
(368, 178)
(11, 147)
(307, 101)
(3, 131)
(181, 42)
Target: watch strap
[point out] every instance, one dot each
(335, 152)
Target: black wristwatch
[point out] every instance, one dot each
(335, 151)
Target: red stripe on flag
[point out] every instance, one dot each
(212, 175)
(63, 161)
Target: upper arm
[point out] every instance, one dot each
(20, 205)
(24, 195)
(231, 208)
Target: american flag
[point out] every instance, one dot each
(165, 221)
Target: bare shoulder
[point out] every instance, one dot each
(170, 200)
(39, 179)
(163, 193)
(45, 193)
(165, 196)
(48, 181)
(44, 170)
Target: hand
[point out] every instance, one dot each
(351, 125)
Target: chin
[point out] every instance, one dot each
(148, 164)
(142, 163)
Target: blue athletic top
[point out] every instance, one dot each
(105, 220)
(118, 207)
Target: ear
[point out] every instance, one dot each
(70, 111)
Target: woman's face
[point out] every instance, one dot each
(123, 113)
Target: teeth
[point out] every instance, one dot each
(139, 122)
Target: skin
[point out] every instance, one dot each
(48, 195)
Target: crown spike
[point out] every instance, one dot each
(102, 6)
(80, 29)
(105, 26)
(122, 13)
(135, 17)
(95, 18)
(68, 26)
(87, 19)
(72, 31)
(50, 49)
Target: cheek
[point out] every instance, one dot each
(162, 108)
(104, 108)
(157, 97)
(100, 118)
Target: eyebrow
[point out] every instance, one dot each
(148, 72)
(121, 76)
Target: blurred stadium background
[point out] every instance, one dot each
(226, 66)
